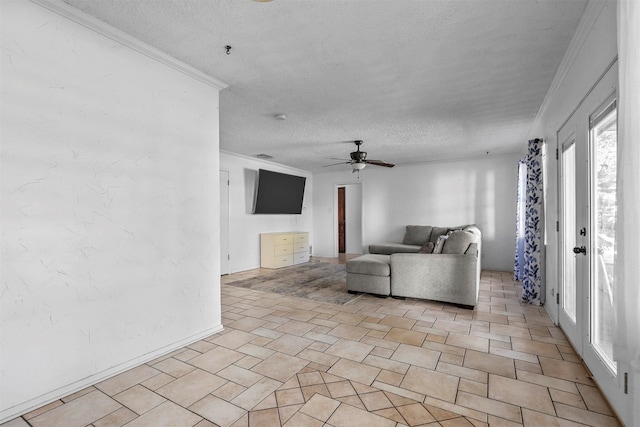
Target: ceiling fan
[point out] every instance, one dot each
(359, 160)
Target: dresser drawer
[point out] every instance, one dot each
(283, 260)
(282, 250)
(283, 239)
(301, 258)
(300, 247)
(301, 238)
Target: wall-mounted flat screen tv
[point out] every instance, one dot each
(279, 193)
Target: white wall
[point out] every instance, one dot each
(110, 208)
(245, 227)
(591, 51)
(480, 191)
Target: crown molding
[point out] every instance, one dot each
(268, 162)
(127, 40)
(590, 16)
(471, 157)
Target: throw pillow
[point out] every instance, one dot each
(440, 244)
(458, 242)
(427, 248)
(437, 232)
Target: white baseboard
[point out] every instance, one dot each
(37, 402)
(322, 255)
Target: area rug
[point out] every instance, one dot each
(315, 280)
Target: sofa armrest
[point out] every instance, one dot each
(442, 277)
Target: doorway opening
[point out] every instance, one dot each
(342, 243)
(224, 223)
(348, 219)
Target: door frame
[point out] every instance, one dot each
(335, 213)
(342, 220)
(225, 265)
(599, 94)
(611, 384)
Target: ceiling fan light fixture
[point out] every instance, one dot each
(359, 160)
(357, 166)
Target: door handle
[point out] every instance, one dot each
(580, 250)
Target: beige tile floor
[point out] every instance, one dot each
(372, 362)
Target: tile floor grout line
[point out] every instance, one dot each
(527, 329)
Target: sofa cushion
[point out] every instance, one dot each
(437, 232)
(416, 234)
(427, 248)
(371, 264)
(458, 242)
(392, 248)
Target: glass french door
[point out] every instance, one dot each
(570, 217)
(587, 188)
(602, 225)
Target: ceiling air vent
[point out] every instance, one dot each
(264, 156)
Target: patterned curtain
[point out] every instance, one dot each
(528, 260)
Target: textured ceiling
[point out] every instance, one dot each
(416, 80)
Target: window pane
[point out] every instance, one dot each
(604, 162)
(568, 293)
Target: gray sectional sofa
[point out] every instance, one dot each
(411, 269)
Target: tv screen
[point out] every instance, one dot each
(279, 193)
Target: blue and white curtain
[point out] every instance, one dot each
(528, 254)
(518, 268)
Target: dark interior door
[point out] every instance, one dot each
(341, 221)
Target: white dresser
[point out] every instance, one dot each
(283, 249)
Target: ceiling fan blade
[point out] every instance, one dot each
(359, 159)
(379, 163)
(344, 160)
(336, 164)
